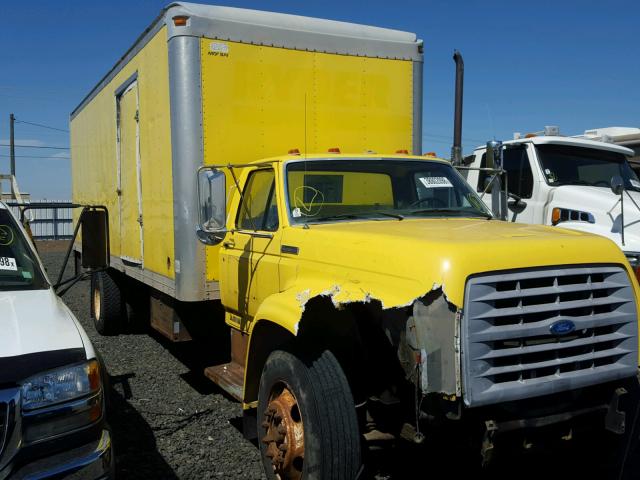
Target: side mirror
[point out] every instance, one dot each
(212, 206)
(494, 154)
(517, 206)
(617, 184)
(95, 239)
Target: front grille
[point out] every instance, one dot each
(509, 350)
(4, 422)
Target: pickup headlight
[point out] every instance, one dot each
(566, 214)
(60, 385)
(61, 400)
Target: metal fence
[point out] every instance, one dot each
(54, 223)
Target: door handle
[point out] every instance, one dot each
(229, 244)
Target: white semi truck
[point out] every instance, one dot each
(569, 182)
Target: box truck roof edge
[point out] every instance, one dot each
(270, 29)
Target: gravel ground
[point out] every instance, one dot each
(170, 422)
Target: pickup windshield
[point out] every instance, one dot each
(326, 190)
(569, 165)
(19, 269)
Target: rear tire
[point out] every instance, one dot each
(307, 423)
(107, 305)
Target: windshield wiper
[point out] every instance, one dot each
(453, 210)
(353, 216)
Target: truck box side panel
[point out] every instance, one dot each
(95, 154)
(260, 101)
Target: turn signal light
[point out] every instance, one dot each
(334, 150)
(568, 215)
(180, 20)
(294, 151)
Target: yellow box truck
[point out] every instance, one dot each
(207, 84)
(365, 294)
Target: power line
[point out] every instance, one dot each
(35, 156)
(41, 126)
(35, 146)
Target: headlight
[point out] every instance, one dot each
(61, 401)
(60, 385)
(566, 214)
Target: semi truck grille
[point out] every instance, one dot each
(529, 333)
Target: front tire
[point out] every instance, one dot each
(107, 305)
(308, 428)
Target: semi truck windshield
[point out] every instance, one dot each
(19, 269)
(363, 189)
(569, 165)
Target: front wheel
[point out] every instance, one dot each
(308, 427)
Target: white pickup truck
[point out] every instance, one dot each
(52, 383)
(567, 182)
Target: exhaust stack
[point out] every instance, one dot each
(456, 149)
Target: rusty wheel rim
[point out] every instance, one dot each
(284, 437)
(96, 303)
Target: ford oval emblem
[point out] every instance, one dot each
(562, 327)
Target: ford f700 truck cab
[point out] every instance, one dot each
(52, 384)
(354, 281)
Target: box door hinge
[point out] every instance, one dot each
(140, 219)
(137, 117)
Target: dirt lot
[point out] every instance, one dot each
(170, 422)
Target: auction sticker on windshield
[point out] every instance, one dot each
(8, 263)
(436, 182)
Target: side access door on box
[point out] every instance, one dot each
(129, 181)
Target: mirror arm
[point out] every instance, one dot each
(69, 248)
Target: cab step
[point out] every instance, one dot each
(229, 377)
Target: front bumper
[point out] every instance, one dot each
(91, 461)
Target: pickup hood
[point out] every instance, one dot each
(604, 205)
(35, 321)
(398, 261)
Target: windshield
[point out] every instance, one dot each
(568, 165)
(19, 269)
(351, 189)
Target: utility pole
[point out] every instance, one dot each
(12, 153)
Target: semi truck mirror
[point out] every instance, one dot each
(95, 239)
(617, 184)
(212, 199)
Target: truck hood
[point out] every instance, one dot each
(604, 205)
(33, 321)
(398, 261)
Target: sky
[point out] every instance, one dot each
(575, 64)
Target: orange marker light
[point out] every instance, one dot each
(555, 216)
(294, 151)
(334, 150)
(430, 154)
(403, 152)
(180, 21)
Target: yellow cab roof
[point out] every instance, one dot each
(348, 156)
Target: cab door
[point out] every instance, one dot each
(521, 181)
(250, 254)
(130, 187)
